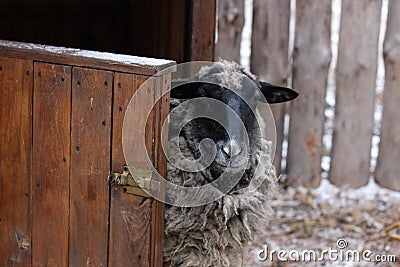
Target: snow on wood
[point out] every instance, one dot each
(96, 58)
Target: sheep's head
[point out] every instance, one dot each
(239, 92)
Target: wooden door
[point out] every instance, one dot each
(61, 116)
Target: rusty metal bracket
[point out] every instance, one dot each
(133, 181)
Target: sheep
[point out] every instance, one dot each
(216, 233)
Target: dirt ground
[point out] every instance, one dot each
(316, 219)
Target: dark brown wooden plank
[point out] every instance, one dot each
(147, 97)
(16, 85)
(230, 25)
(202, 30)
(388, 167)
(175, 14)
(310, 70)
(50, 165)
(90, 166)
(162, 26)
(152, 225)
(269, 54)
(158, 207)
(355, 92)
(130, 218)
(76, 57)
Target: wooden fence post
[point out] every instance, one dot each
(388, 167)
(355, 92)
(230, 25)
(269, 54)
(311, 58)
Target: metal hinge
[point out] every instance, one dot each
(133, 181)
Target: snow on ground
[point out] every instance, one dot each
(316, 219)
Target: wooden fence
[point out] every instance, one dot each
(355, 83)
(61, 116)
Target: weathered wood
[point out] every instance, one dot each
(148, 130)
(90, 166)
(71, 138)
(51, 163)
(130, 216)
(355, 92)
(388, 167)
(278, 111)
(160, 160)
(230, 25)
(16, 85)
(137, 223)
(77, 57)
(202, 30)
(311, 60)
(269, 54)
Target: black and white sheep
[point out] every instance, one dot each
(215, 234)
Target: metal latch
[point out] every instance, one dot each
(132, 180)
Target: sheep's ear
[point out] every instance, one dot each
(184, 89)
(277, 94)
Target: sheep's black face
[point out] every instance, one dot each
(232, 147)
(230, 141)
